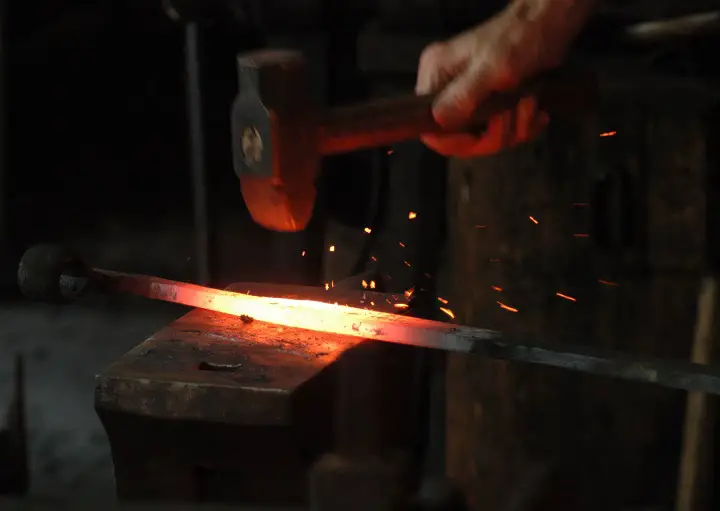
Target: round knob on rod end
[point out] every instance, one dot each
(51, 273)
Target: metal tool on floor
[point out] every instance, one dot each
(279, 137)
(14, 462)
(51, 273)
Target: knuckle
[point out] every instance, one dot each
(432, 54)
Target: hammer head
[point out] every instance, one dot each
(275, 147)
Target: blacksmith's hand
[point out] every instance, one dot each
(527, 37)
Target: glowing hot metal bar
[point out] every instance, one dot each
(340, 319)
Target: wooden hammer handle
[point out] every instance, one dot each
(388, 121)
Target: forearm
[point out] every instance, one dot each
(551, 25)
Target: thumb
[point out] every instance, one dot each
(455, 105)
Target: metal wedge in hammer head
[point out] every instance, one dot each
(274, 140)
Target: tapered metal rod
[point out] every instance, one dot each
(46, 272)
(319, 316)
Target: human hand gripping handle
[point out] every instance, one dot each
(528, 37)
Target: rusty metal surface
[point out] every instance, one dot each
(215, 367)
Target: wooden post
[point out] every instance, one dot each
(695, 461)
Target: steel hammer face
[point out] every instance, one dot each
(275, 146)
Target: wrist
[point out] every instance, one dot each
(551, 25)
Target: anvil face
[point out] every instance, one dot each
(210, 366)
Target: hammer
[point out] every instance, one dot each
(279, 136)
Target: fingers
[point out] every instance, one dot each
(503, 131)
(439, 64)
(456, 103)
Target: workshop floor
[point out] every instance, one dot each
(63, 348)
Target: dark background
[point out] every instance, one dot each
(98, 159)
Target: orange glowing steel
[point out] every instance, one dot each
(608, 134)
(332, 248)
(442, 300)
(608, 283)
(412, 215)
(507, 307)
(497, 288)
(532, 219)
(448, 312)
(368, 230)
(566, 297)
(317, 316)
(372, 284)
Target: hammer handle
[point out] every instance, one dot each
(389, 121)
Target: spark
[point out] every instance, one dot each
(332, 248)
(442, 300)
(390, 152)
(327, 286)
(401, 244)
(448, 312)
(412, 215)
(608, 283)
(507, 307)
(566, 297)
(494, 260)
(332, 283)
(372, 284)
(407, 264)
(364, 284)
(580, 204)
(388, 301)
(581, 235)
(409, 292)
(532, 219)
(303, 253)
(401, 306)
(481, 226)
(372, 304)
(497, 288)
(373, 258)
(608, 134)
(368, 230)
